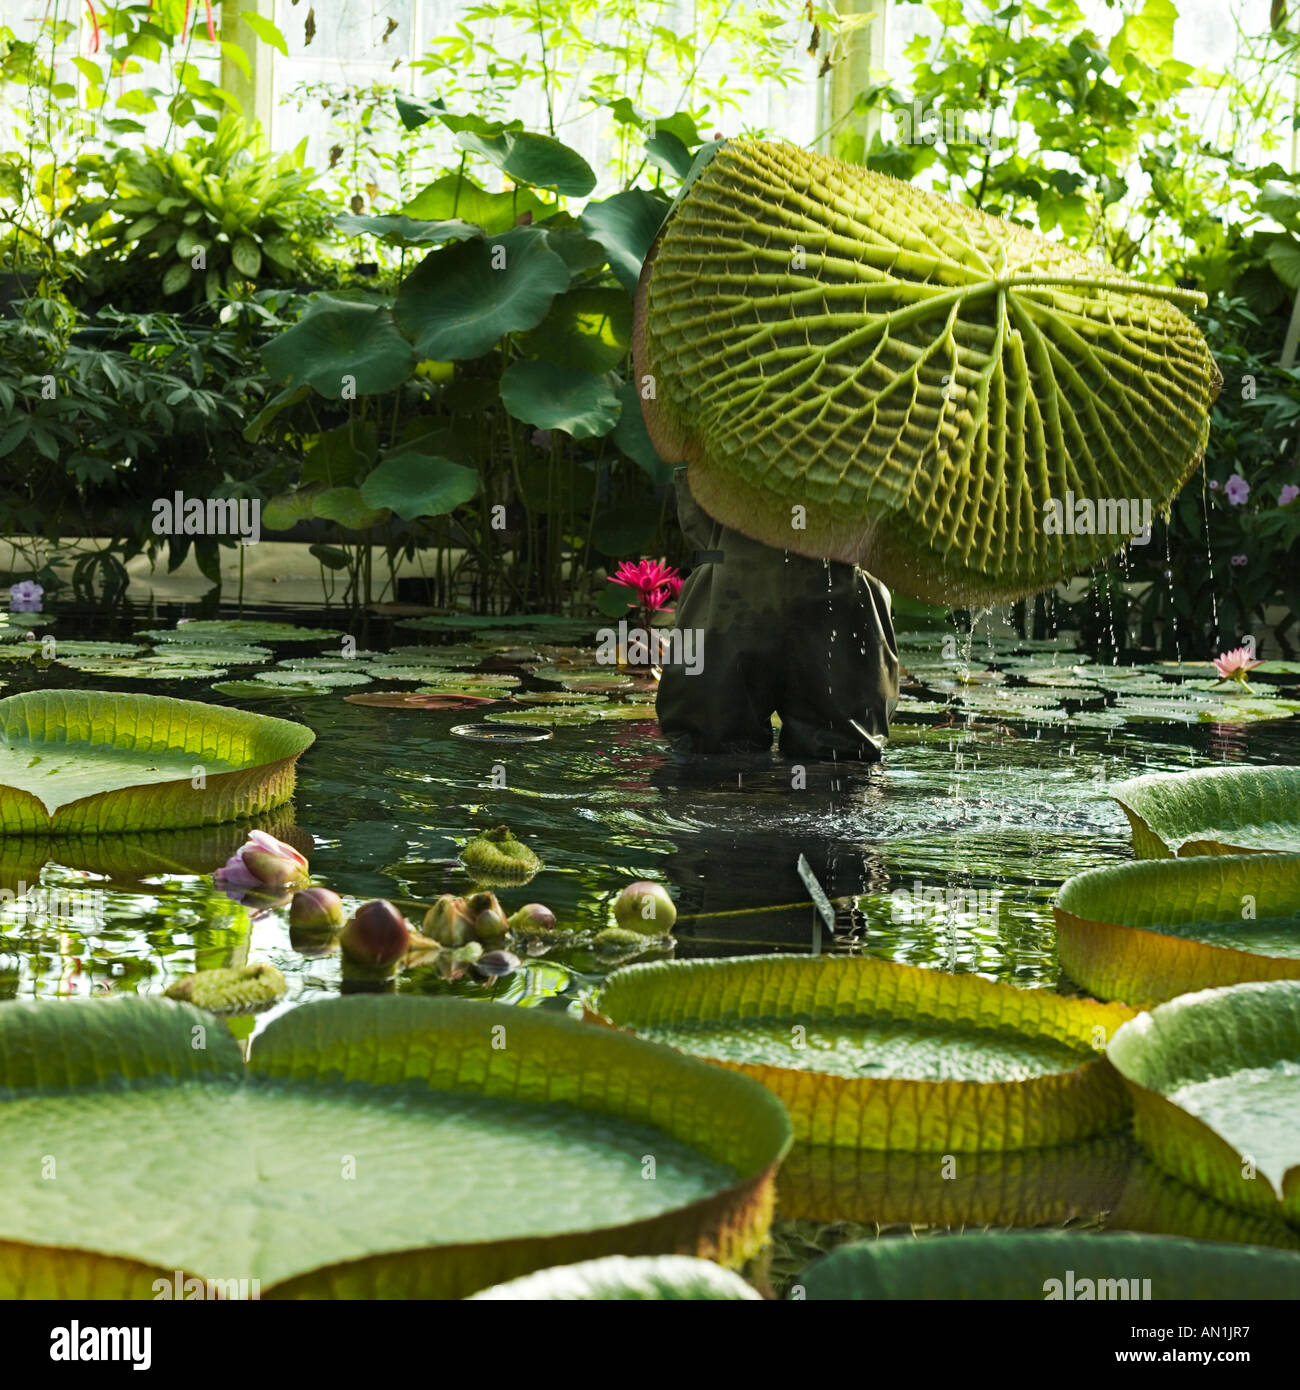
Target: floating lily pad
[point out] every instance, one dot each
(81, 762)
(1017, 1187)
(320, 663)
(240, 630)
(1036, 1265)
(435, 700)
(559, 697)
(64, 647)
(1157, 928)
(325, 680)
(468, 680)
(877, 1054)
(144, 669)
(1217, 810)
(419, 1097)
(644, 1278)
(1215, 1081)
(260, 690)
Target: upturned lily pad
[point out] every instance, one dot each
(1216, 810)
(877, 1054)
(488, 733)
(89, 761)
(644, 1278)
(1157, 928)
(63, 647)
(240, 630)
(1017, 1187)
(928, 381)
(422, 1106)
(1038, 1265)
(1215, 1081)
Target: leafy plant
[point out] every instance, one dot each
(213, 217)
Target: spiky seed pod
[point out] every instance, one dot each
(929, 382)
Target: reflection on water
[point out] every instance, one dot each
(946, 856)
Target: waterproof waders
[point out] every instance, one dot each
(809, 639)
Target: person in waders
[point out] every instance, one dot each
(809, 640)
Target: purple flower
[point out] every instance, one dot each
(1214, 485)
(25, 597)
(1237, 489)
(1239, 560)
(1288, 494)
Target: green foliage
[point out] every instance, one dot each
(211, 218)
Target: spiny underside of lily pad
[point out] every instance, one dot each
(496, 856)
(919, 376)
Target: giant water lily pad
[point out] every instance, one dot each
(453, 1145)
(926, 380)
(1036, 1265)
(1016, 1187)
(1213, 810)
(84, 762)
(882, 1055)
(1215, 1081)
(239, 630)
(647, 1278)
(1157, 928)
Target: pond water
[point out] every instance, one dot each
(946, 856)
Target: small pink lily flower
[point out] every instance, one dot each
(654, 581)
(1233, 666)
(264, 862)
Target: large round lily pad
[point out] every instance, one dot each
(1156, 928)
(880, 1055)
(1036, 1265)
(1213, 810)
(85, 762)
(394, 1147)
(647, 1278)
(857, 368)
(1215, 1081)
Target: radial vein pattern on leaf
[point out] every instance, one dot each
(926, 379)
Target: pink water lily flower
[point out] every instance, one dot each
(654, 581)
(1233, 666)
(264, 862)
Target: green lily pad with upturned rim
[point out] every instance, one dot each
(1215, 1082)
(400, 1116)
(877, 1054)
(1213, 810)
(1034, 1265)
(1152, 929)
(245, 630)
(79, 762)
